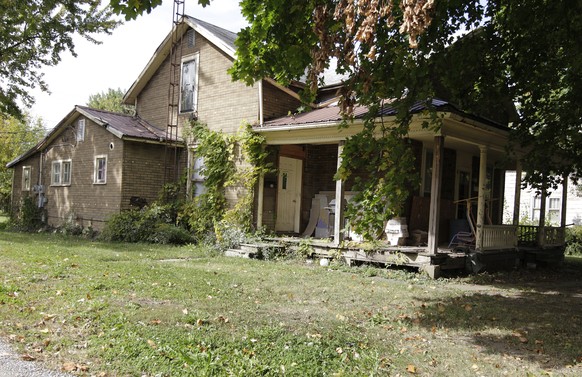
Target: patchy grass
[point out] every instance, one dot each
(144, 310)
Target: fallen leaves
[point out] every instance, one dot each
(74, 367)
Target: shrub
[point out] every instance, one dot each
(29, 217)
(574, 240)
(170, 234)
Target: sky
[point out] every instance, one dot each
(118, 61)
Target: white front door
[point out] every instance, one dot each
(289, 194)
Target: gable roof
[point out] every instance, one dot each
(332, 115)
(223, 39)
(123, 126)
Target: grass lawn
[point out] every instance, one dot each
(140, 310)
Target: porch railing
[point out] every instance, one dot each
(528, 235)
(554, 236)
(496, 237)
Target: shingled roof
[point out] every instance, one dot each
(332, 115)
(126, 127)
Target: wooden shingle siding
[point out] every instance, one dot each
(222, 104)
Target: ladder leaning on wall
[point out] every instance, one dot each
(171, 155)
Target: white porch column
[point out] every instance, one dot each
(517, 195)
(435, 194)
(542, 221)
(338, 220)
(260, 195)
(482, 197)
(564, 201)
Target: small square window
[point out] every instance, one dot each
(100, 175)
(26, 178)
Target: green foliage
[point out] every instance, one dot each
(131, 9)
(574, 240)
(34, 33)
(16, 137)
(208, 215)
(156, 223)
(112, 100)
(484, 56)
(29, 216)
(387, 164)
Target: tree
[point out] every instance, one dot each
(112, 100)
(16, 137)
(34, 33)
(134, 8)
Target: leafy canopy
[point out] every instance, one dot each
(131, 9)
(112, 100)
(483, 55)
(34, 33)
(16, 137)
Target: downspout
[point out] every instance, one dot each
(261, 118)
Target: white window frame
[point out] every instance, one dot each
(80, 135)
(26, 178)
(96, 179)
(189, 61)
(198, 179)
(60, 179)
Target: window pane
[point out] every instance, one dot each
(26, 178)
(554, 203)
(188, 87)
(81, 130)
(100, 170)
(56, 173)
(66, 172)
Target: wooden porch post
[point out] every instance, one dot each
(542, 221)
(481, 197)
(260, 194)
(338, 225)
(435, 194)
(564, 201)
(517, 196)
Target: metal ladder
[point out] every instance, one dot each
(171, 155)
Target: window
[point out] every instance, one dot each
(189, 85)
(191, 38)
(198, 176)
(100, 175)
(554, 210)
(26, 178)
(80, 130)
(61, 173)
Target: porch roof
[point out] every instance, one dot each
(331, 114)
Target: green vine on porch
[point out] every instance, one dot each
(382, 154)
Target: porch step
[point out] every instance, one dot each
(256, 250)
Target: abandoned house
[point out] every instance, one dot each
(95, 163)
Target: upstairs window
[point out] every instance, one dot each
(80, 130)
(100, 173)
(61, 173)
(26, 178)
(189, 85)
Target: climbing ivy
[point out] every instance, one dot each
(383, 157)
(230, 160)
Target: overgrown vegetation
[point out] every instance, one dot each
(105, 309)
(574, 240)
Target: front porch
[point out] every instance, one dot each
(462, 178)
